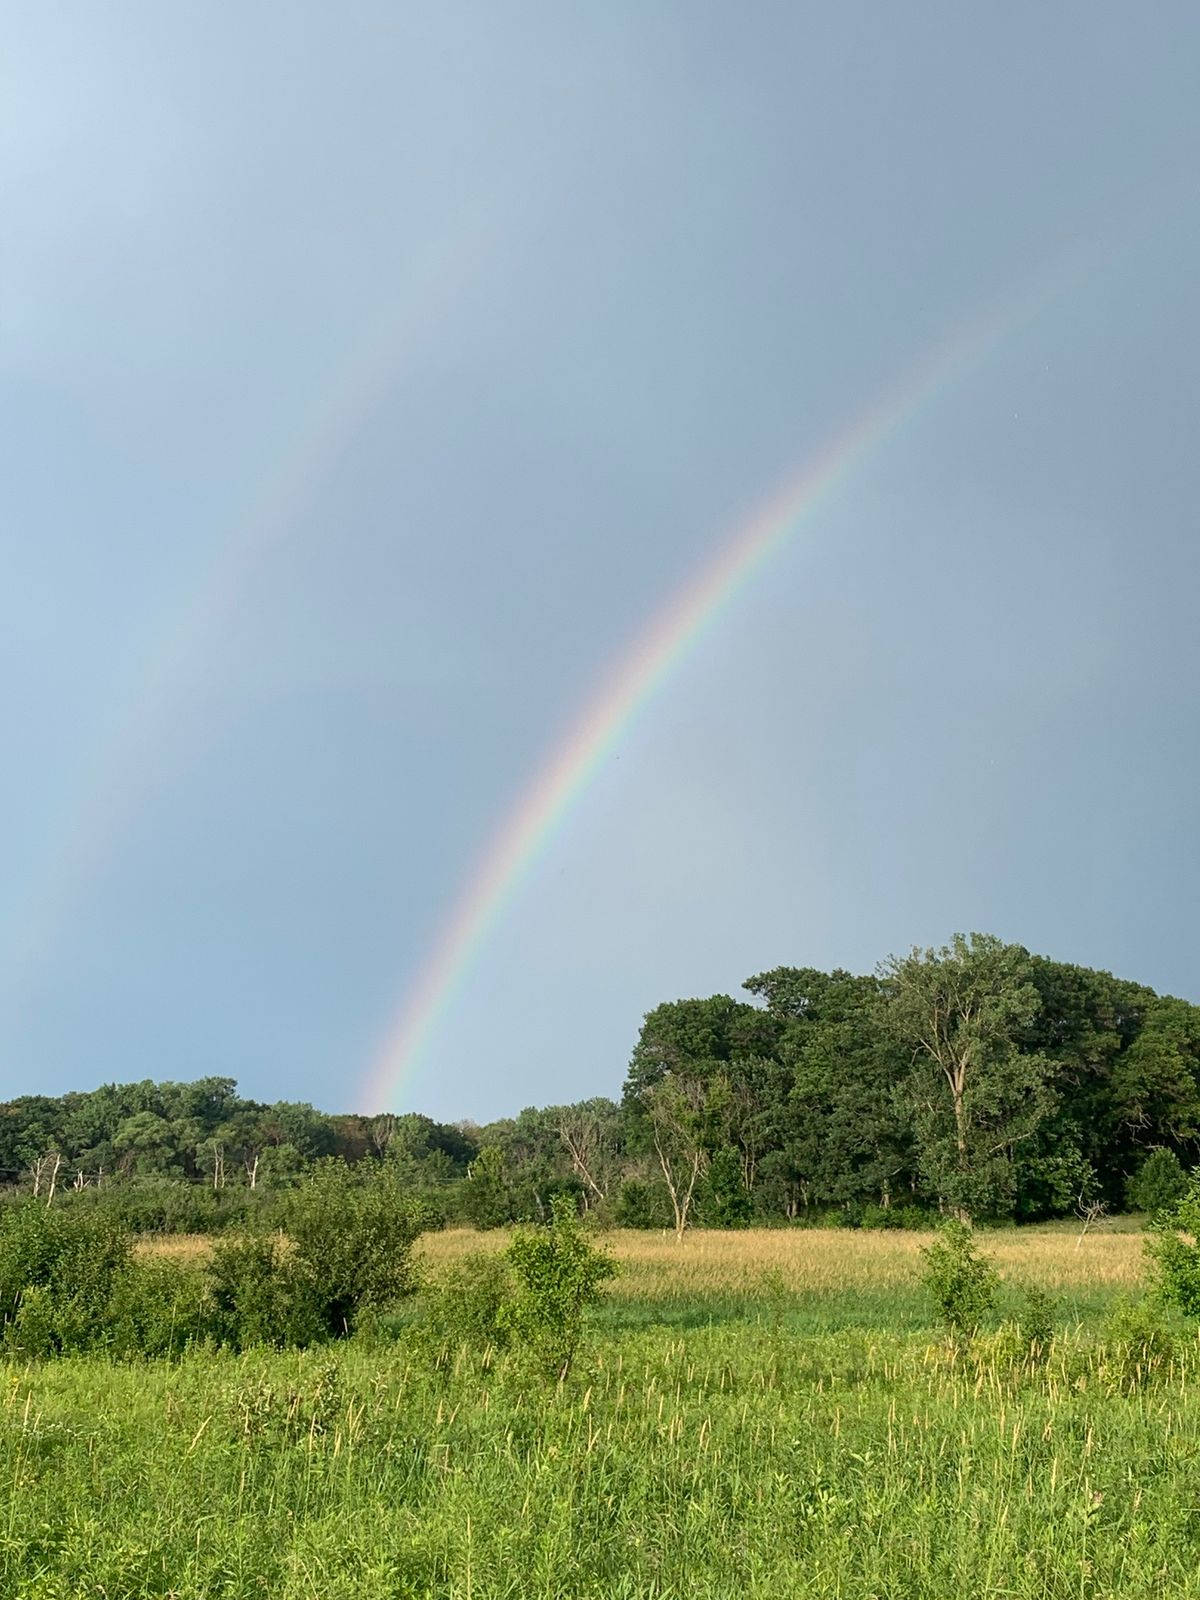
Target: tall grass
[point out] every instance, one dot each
(733, 1461)
(757, 1414)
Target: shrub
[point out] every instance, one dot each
(57, 1277)
(485, 1198)
(345, 1256)
(158, 1309)
(642, 1204)
(351, 1242)
(1137, 1342)
(558, 1275)
(962, 1284)
(1159, 1183)
(470, 1306)
(258, 1295)
(1173, 1247)
(724, 1200)
(918, 1219)
(167, 1205)
(1036, 1323)
(873, 1216)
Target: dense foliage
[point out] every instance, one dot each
(977, 1080)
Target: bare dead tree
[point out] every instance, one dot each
(1089, 1213)
(583, 1140)
(675, 1108)
(383, 1131)
(53, 1179)
(39, 1170)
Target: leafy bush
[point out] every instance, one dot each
(558, 1275)
(351, 1242)
(642, 1204)
(917, 1219)
(962, 1284)
(57, 1278)
(1138, 1343)
(168, 1205)
(345, 1256)
(158, 1309)
(724, 1201)
(1173, 1247)
(470, 1306)
(1036, 1323)
(485, 1198)
(876, 1217)
(1159, 1183)
(258, 1296)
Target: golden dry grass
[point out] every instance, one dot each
(828, 1261)
(814, 1261)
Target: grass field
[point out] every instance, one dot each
(805, 1433)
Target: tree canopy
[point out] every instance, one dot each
(976, 1079)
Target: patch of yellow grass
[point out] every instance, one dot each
(821, 1261)
(654, 1266)
(189, 1247)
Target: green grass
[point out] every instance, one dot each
(755, 1439)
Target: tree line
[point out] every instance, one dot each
(976, 1080)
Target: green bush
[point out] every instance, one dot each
(168, 1205)
(470, 1306)
(642, 1204)
(351, 1242)
(158, 1309)
(558, 1275)
(1158, 1184)
(917, 1219)
(723, 1200)
(57, 1278)
(259, 1296)
(962, 1284)
(485, 1199)
(1036, 1323)
(344, 1255)
(1173, 1248)
(1138, 1343)
(879, 1217)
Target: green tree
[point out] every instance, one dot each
(485, 1194)
(558, 1274)
(1159, 1183)
(962, 1284)
(845, 1131)
(975, 1096)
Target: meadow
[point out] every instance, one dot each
(753, 1414)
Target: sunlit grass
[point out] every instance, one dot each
(734, 1461)
(816, 1278)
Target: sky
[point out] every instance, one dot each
(373, 377)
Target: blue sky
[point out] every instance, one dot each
(371, 375)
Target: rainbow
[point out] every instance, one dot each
(118, 762)
(662, 648)
(693, 611)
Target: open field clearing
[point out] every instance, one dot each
(655, 1266)
(730, 1461)
(817, 1279)
(756, 1414)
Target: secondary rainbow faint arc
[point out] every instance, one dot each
(105, 789)
(643, 670)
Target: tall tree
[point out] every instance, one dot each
(976, 1097)
(846, 1135)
